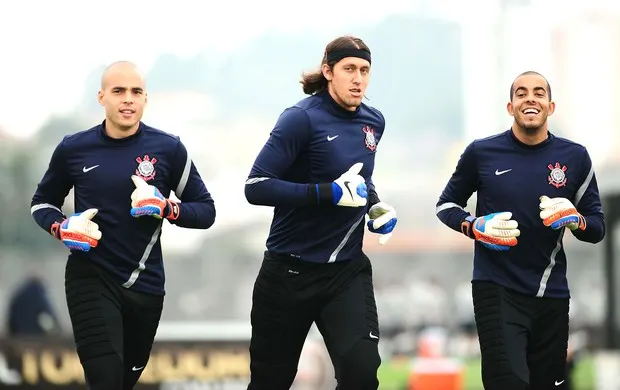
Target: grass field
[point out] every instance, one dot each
(394, 375)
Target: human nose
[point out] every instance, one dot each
(128, 97)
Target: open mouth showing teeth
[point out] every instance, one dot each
(531, 111)
(127, 112)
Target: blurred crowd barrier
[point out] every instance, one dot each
(185, 356)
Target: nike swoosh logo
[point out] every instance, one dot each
(346, 184)
(372, 336)
(134, 368)
(558, 383)
(89, 169)
(331, 138)
(498, 172)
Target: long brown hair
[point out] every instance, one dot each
(313, 82)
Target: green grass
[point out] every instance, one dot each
(394, 375)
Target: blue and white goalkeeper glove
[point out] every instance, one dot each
(382, 221)
(78, 232)
(560, 212)
(496, 231)
(349, 190)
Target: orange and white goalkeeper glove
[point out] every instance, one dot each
(147, 200)
(496, 231)
(78, 232)
(560, 212)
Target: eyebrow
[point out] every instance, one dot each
(355, 65)
(535, 89)
(140, 89)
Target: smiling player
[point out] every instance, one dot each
(531, 186)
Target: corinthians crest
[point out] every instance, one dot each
(146, 167)
(557, 176)
(369, 140)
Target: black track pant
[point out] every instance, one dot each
(113, 327)
(523, 339)
(289, 295)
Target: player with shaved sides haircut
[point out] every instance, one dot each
(532, 187)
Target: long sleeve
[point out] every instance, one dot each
(265, 185)
(197, 208)
(51, 191)
(373, 197)
(450, 208)
(588, 203)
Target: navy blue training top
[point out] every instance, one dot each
(99, 169)
(511, 176)
(313, 142)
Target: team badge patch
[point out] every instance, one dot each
(369, 140)
(146, 167)
(557, 176)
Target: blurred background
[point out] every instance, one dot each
(218, 75)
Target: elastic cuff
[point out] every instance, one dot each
(326, 194)
(373, 198)
(320, 194)
(55, 230)
(466, 227)
(582, 222)
(172, 210)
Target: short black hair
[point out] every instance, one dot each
(527, 73)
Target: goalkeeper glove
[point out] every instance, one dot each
(148, 200)
(349, 190)
(496, 231)
(560, 212)
(382, 221)
(78, 232)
